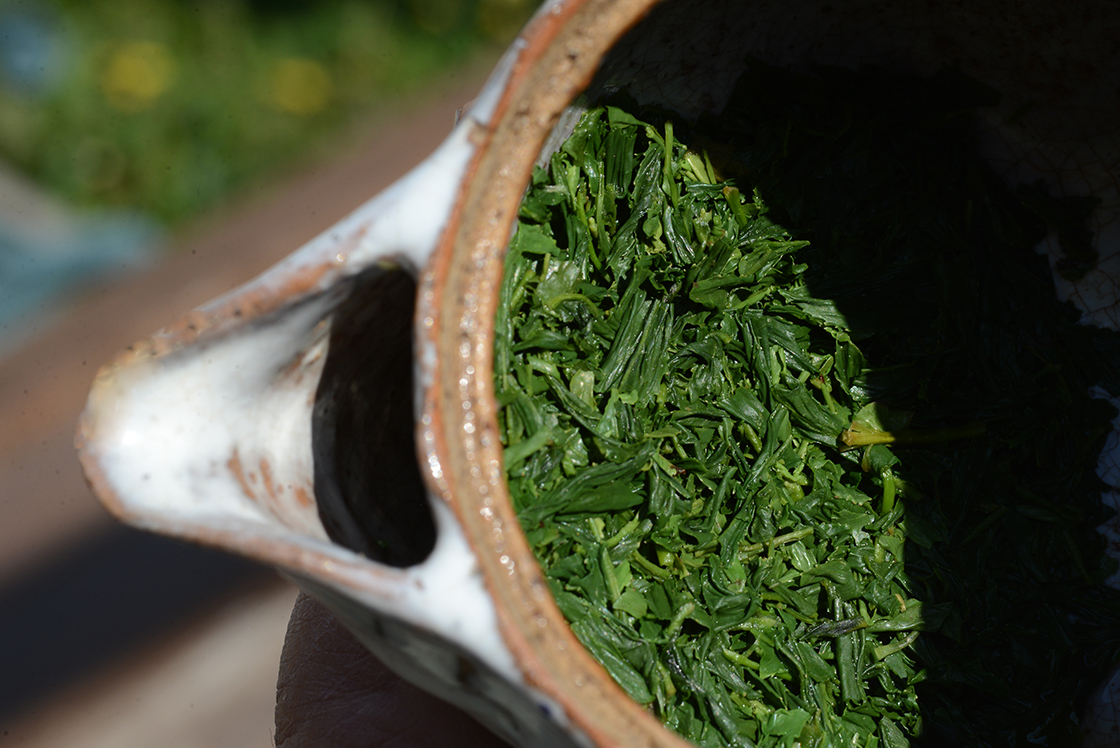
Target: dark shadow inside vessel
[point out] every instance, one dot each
(368, 488)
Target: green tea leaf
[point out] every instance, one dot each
(808, 458)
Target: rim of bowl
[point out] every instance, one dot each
(458, 428)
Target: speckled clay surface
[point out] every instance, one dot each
(204, 431)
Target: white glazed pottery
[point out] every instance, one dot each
(264, 421)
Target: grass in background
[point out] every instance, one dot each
(169, 105)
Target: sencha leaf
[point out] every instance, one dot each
(808, 459)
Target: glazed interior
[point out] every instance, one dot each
(1054, 64)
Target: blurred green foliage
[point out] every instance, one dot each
(168, 105)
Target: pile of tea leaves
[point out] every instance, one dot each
(796, 426)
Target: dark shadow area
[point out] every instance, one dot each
(101, 601)
(986, 376)
(368, 487)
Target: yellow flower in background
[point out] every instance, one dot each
(301, 86)
(136, 74)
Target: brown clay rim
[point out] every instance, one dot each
(455, 315)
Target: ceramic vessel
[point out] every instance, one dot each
(297, 421)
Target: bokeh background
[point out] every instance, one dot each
(155, 154)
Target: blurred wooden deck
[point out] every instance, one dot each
(205, 677)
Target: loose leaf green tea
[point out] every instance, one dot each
(796, 427)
